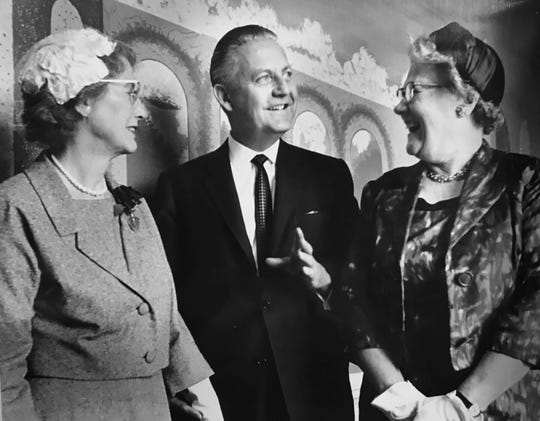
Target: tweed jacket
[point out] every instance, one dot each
(70, 310)
(492, 263)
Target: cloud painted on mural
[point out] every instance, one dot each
(309, 47)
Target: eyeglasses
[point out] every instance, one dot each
(408, 91)
(134, 87)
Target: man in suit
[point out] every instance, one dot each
(256, 233)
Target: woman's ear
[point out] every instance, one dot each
(84, 107)
(222, 96)
(470, 103)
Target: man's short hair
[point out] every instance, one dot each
(223, 59)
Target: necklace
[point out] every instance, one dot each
(460, 175)
(75, 183)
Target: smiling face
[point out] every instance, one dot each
(430, 116)
(115, 115)
(260, 100)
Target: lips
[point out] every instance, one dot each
(412, 125)
(132, 129)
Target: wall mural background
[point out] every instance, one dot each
(349, 57)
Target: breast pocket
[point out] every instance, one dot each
(315, 225)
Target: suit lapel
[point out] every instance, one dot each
(288, 187)
(220, 186)
(482, 188)
(66, 219)
(91, 245)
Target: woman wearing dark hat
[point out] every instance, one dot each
(450, 252)
(89, 327)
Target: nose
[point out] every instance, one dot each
(401, 106)
(282, 86)
(139, 110)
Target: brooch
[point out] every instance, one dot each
(126, 199)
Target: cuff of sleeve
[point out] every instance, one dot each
(399, 401)
(524, 349)
(471, 413)
(325, 301)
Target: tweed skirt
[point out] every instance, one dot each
(120, 399)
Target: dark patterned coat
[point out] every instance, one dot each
(492, 267)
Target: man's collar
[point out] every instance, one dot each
(239, 153)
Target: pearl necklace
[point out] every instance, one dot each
(460, 175)
(75, 183)
(439, 178)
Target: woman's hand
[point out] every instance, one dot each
(198, 403)
(444, 408)
(182, 409)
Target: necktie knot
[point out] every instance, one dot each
(259, 160)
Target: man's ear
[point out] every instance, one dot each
(84, 107)
(222, 96)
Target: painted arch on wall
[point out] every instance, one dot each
(365, 149)
(314, 127)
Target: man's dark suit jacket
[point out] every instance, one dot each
(240, 321)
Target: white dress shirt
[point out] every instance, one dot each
(243, 171)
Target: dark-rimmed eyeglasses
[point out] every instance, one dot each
(134, 87)
(408, 91)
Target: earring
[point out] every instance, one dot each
(460, 112)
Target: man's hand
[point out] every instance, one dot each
(301, 261)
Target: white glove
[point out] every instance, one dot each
(445, 408)
(400, 401)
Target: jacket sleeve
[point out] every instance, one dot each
(19, 281)
(336, 259)
(186, 366)
(354, 301)
(518, 327)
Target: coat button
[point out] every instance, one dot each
(149, 357)
(261, 362)
(464, 279)
(143, 309)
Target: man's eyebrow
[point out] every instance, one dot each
(261, 69)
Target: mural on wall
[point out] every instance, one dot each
(337, 50)
(366, 162)
(310, 132)
(174, 41)
(162, 137)
(309, 48)
(182, 43)
(64, 16)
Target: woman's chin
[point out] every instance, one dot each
(414, 144)
(130, 145)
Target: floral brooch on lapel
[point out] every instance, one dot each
(126, 199)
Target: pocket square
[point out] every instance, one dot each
(312, 212)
